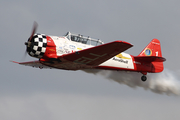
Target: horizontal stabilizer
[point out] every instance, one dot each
(149, 59)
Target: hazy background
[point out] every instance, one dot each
(28, 93)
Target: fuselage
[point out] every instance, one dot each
(63, 45)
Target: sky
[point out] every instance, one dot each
(42, 94)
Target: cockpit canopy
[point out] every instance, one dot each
(82, 39)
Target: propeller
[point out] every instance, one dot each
(35, 25)
(28, 43)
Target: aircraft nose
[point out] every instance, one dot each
(37, 46)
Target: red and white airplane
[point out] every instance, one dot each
(76, 52)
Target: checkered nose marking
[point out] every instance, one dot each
(38, 46)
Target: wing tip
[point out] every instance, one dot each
(14, 61)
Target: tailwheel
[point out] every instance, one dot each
(143, 78)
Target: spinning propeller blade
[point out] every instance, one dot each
(35, 25)
(28, 43)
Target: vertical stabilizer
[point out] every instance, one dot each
(152, 49)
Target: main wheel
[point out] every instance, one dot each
(144, 78)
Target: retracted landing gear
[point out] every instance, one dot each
(143, 78)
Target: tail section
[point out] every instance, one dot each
(152, 49)
(151, 58)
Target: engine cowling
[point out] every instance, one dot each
(37, 46)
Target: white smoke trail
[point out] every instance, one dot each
(161, 83)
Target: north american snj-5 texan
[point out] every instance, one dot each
(77, 52)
